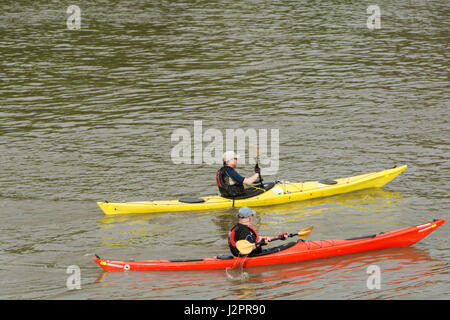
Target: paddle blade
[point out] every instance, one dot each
(245, 247)
(304, 233)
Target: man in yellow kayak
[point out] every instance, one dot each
(231, 183)
(244, 231)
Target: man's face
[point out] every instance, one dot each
(233, 163)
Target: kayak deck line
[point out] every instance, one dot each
(292, 252)
(281, 192)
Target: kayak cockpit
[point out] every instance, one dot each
(253, 191)
(250, 192)
(230, 257)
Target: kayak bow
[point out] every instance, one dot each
(281, 192)
(287, 253)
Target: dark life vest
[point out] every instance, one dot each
(224, 183)
(242, 232)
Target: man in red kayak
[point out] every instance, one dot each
(231, 183)
(244, 231)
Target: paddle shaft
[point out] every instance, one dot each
(257, 165)
(259, 172)
(278, 238)
(245, 247)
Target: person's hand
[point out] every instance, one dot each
(283, 235)
(265, 240)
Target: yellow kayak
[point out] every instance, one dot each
(277, 193)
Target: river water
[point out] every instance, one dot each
(88, 115)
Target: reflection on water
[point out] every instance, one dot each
(369, 201)
(403, 272)
(398, 266)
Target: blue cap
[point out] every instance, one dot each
(245, 212)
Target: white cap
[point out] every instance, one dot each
(229, 155)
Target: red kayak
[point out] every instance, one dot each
(290, 252)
